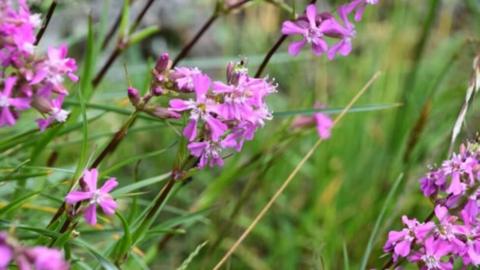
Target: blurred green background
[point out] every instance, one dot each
(325, 218)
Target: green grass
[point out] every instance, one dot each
(337, 211)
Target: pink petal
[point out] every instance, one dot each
(201, 83)
(9, 83)
(90, 178)
(190, 130)
(77, 196)
(109, 185)
(108, 205)
(6, 117)
(295, 47)
(91, 214)
(291, 28)
(179, 105)
(311, 14)
(197, 148)
(216, 126)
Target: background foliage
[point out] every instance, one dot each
(325, 218)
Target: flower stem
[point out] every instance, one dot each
(49, 15)
(269, 55)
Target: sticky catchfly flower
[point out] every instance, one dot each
(94, 196)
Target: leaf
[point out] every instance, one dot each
(373, 235)
(192, 256)
(17, 203)
(360, 108)
(346, 260)
(124, 244)
(143, 34)
(140, 184)
(134, 159)
(104, 262)
(124, 22)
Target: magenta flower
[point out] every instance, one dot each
(7, 102)
(202, 108)
(53, 69)
(312, 30)
(95, 197)
(47, 259)
(183, 77)
(431, 255)
(400, 242)
(321, 121)
(210, 152)
(6, 252)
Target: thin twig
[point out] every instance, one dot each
(269, 55)
(195, 39)
(49, 15)
(292, 176)
(216, 14)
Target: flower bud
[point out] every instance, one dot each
(157, 91)
(133, 96)
(161, 112)
(42, 104)
(162, 63)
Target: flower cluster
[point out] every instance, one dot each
(220, 115)
(30, 79)
(454, 236)
(94, 196)
(223, 115)
(38, 258)
(314, 27)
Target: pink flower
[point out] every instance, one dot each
(210, 152)
(48, 259)
(312, 29)
(95, 197)
(6, 252)
(202, 108)
(183, 77)
(7, 102)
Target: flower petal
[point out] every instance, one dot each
(77, 196)
(91, 214)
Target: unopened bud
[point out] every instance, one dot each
(157, 91)
(163, 113)
(162, 63)
(133, 96)
(230, 71)
(42, 104)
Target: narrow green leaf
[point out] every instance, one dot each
(104, 262)
(362, 108)
(17, 203)
(124, 22)
(379, 220)
(143, 34)
(346, 260)
(140, 184)
(125, 162)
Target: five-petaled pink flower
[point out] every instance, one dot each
(95, 197)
